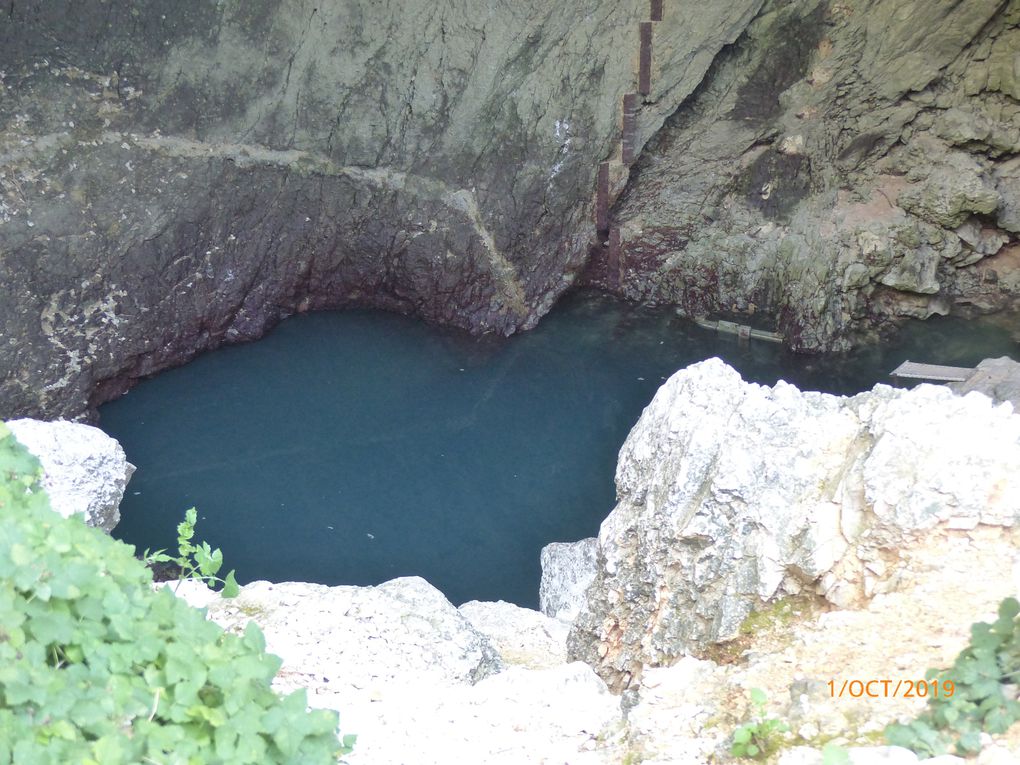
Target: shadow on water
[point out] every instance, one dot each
(350, 448)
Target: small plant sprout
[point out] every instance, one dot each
(759, 738)
(199, 561)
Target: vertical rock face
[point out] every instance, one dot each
(839, 167)
(174, 177)
(733, 494)
(86, 471)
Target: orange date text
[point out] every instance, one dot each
(891, 689)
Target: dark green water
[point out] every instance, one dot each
(351, 448)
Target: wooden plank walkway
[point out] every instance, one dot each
(914, 371)
(743, 331)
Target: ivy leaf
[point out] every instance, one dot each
(969, 743)
(230, 586)
(833, 754)
(208, 560)
(347, 743)
(1009, 609)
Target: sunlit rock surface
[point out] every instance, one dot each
(523, 637)
(733, 494)
(86, 471)
(567, 570)
(418, 683)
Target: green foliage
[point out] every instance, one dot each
(833, 754)
(97, 668)
(969, 697)
(759, 738)
(195, 561)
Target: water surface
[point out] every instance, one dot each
(351, 448)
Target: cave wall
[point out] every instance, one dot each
(177, 176)
(842, 166)
(173, 177)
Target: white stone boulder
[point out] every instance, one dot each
(567, 570)
(733, 494)
(417, 683)
(86, 471)
(358, 643)
(523, 637)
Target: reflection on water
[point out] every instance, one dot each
(350, 448)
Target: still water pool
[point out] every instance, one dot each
(354, 447)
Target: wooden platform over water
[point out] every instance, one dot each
(913, 370)
(743, 331)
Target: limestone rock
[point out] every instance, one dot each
(732, 494)
(366, 642)
(820, 127)
(567, 570)
(1007, 179)
(86, 470)
(914, 272)
(672, 721)
(523, 637)
(981, 240)
(1003, 67)
(999, 379)
(996, 755)
(416, 682)
(951, 193)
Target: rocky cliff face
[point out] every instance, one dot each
(841, 166)
(174, 177)
(732, 495)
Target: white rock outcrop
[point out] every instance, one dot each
(370, 642)
(418, 683)
(86, 471)
(523, 637)
(567, 570)
(733, 494)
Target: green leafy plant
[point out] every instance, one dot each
(759, 738)
(98, 668)
(199, 561)
(971, 696)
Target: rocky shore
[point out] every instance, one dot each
(763, 538)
